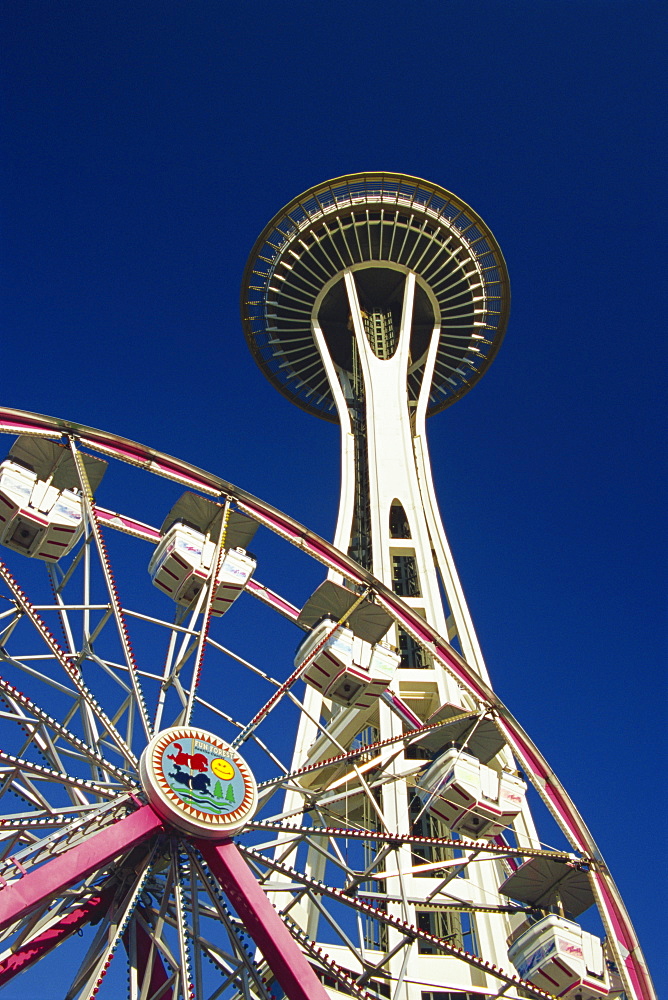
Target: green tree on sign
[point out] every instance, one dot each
(230, 794)
(218, 790)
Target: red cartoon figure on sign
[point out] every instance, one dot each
(196, 761)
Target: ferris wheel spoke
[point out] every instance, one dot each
(146, 937)
(147, 974)
(45, 744)
(236, 969)
(189, 643)
(15, 617)
(244, 663)
(199, 947)
(397, 839)
(76, 786)
(187, 983)
(56, 587)
(276, 697)
(169, 675)
(61, 657)
(210, 590)
(25, 666)
(14, 840)
(350, 754)
(123, 634)
(322, 796)
(42, 809)
(157, 920)
(25, 789)
(356, 788)
(42, 729)
(324, 961)
(237, 966)
(79, 706)
(182, 912)
(337, 927)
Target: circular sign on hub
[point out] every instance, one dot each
(198, 782)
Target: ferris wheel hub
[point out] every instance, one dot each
(198, 782)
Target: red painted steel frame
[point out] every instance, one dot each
(92, 910)
(50, 879)
(283, 954)
(41, 945)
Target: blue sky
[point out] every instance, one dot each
(145, 147)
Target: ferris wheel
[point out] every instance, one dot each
(157, 840)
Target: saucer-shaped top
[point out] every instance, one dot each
(380, 226)
(198, 782)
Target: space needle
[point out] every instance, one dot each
(377, 300)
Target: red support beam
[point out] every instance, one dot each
(92, 910)
(41, 945)
(284, 956)
(50, 879)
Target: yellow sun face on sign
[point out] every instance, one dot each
(222, 769)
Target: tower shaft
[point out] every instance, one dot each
(388, 520)
(388, 515)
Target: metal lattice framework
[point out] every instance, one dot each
(92, 656)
